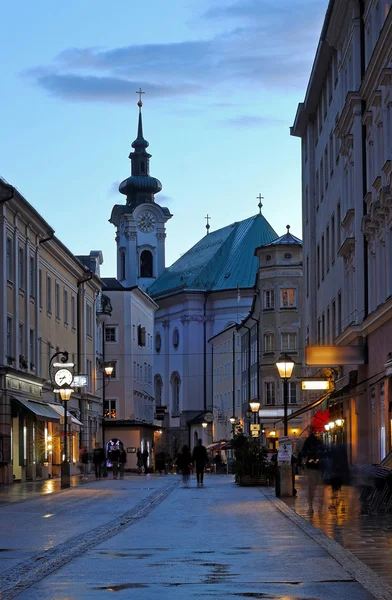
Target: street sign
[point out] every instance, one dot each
(208, 417)
(255, 427)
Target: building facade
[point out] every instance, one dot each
(47, 304)
(345, 127)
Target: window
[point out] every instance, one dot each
(331, 161)
(338, 225)
(110, 409)
(57, 299)
(335, 67)
(32, 348)
(114, 372)
(9, 259)
(48, 293)
(175, 394)
(238, 400)
(89, 375)
(89, 317)
(146, 264)
(289, 342)
(65, 301)
(332, 239)
(32, 276)
(330, 86)
(318, 265)
(328, 332)
(111, 334)
(122, 265)
(21, 267)
(40, 288)
(292, 392)
(269, 299)
(317, 189)
(288, 298)
(158, 343)
(269, 392)
(141, 336)
(321, 179)
(134, 332)
(327, 249)
(21, 338)
(322, 257)
(73, 312)
(9, 337)
(176, 339)
(326, 173)
(339, 313)
(158, 390)
(333, 320)
(269, 342)
(307, 275)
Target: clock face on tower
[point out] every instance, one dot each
(146, 221)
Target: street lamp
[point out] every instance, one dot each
(204, 425)
(285, 366)
(108, 368)
(254, 407)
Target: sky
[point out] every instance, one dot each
(223, 79)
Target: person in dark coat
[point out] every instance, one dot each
(98, 460)
(145, 459)
(114, 459)
(122, 459)
(139, 461)
(313, 451)
(184, 462)
(200, 460)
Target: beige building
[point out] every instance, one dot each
(47, 304)
(129, 406)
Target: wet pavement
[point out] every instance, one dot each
(368, 537)
(220, 541)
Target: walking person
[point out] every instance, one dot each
(184, 462)
(200, 460)
(114, 458)
(139, 461)
(338, 471)
(122, 459)
(84, 459)
(98, 460)
(145, 456)
(313, 452)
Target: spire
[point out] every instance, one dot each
(260, 204)
(208, 223)
(140, 187)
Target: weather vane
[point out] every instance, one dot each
(260, 204)
(208, 224)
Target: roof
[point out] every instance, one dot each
(288, 239)
(221, 260)
(111, 283)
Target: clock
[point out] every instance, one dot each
(63, 377)
(146, 221)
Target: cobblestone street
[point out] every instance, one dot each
(149, 537)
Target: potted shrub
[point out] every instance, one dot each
(251, 465)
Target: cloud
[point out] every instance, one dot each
(163, 199)
(253, 121)
(113, 189)
(263, 50)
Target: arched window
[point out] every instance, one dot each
(158, 343)
(122, 264)
(158, 385)
(175, 389)
(142, 167)
(146, 264)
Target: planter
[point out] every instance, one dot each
(247, 480)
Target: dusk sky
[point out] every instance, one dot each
(222, 79)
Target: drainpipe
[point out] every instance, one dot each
(205, 351)
(364, 153)
(233, 374)
(88, 277)
(47, 239)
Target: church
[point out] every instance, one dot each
(207, 289)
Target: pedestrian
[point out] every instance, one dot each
(98, 460)
(338, 470)
(184, 463)
(200, 460)
(84, 459)
(114, 459)
(313, 450)
(145, 456)
(160, 462)
(122, 459)
(139, 461)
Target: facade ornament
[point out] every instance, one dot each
(130, 235)
(165, 323)
(197, 318)
(161, 235)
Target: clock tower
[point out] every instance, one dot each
(140, 223)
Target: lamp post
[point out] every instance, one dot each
(254, 407)
(285, 366)
(107, 371)
(233, 421)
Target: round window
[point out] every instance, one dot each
(158, 343)
(176, 339)
(268, 257)
(287, 255)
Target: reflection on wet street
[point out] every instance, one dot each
(33, 489)
(368, 537)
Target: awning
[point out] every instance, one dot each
(308, 407)
(41, 410)
(320, 419)
(60, 411)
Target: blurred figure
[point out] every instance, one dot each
(122, 459)
(98, 460)
(338, 470)
(160, 463)
(184, 462)
(300, 466)
(114, 459)
(145, 459)
(139, 461)
(313, 452)
(200, 460)
(83, 458)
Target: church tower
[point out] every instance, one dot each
(140, 223)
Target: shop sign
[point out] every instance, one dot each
(285, 451)
(255, 427)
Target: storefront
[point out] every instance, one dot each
(57, 441)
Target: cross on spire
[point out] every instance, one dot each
(208, 223)
(260, 204)
(140, 92)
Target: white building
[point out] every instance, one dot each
(345, 124)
